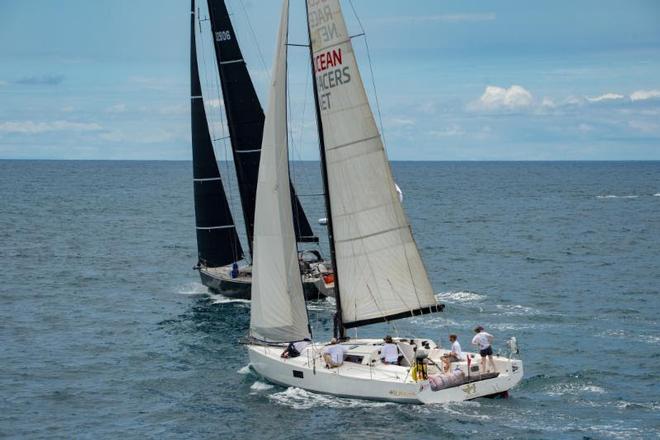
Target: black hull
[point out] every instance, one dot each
(238, 289)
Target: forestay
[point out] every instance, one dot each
(381, 274)
(278, 307)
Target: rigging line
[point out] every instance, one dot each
(254, 35)
(371, 70)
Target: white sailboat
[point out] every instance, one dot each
(379, 272)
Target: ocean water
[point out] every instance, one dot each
(105, 331)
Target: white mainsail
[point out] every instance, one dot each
(380, 271)
(278, 307)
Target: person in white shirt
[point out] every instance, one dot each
(484, 340)
(456, 354)
(333, 354)
(389, 353)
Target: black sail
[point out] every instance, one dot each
(217, 240)
(245, 119)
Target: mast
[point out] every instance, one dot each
(217, 240)
(339, 330)
(245, 121)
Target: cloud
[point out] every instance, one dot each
(31, 127)
(605, 97)
(466, 17)
(43, 80)
(451, 130)
(153, 83)
(496, 98)
(585, 128)
(644, 126)
(116, 108)
(642, 95)
(401, 122)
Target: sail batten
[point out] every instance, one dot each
(217, 241)
(378, 264)
(245, 119)
(278, 308)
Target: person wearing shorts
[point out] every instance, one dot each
(484, 341)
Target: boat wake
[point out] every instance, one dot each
(297, 398)
(192, 289)
(259, 386)
(221, 299)
(244, 370)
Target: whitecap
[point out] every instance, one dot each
(563, 389)
(656, 195)
(460, 297)
(516, 309)
(612, 196)
(260, 386)
(192, 289)
(297, 398)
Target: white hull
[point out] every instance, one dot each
(373, 380)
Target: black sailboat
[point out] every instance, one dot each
(245, 122)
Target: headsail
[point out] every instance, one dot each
(245, 120)
(278, 307)
(217, 241)
(379, 269)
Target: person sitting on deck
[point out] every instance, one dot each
(294, 349)
(333, 354)
(389, 353)
(234, 270)
(455, 355)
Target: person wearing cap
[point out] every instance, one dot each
(333, 354)
(294, 349)
(484, 340)
(389, 353)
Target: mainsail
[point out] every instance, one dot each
(217, 241)
(278, 308)
(379, 270)
(245, 120)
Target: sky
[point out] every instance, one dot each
(454, 80)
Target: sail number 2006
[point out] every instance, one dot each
(221, 36)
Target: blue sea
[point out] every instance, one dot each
(106, 331)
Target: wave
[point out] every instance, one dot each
(622, 334)
(193, 289)
(326, 304)
(217, 298)
(656, 195)
(573, 389)
(460, 297)
(516, 310)
(297, 398)
(612, 196)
